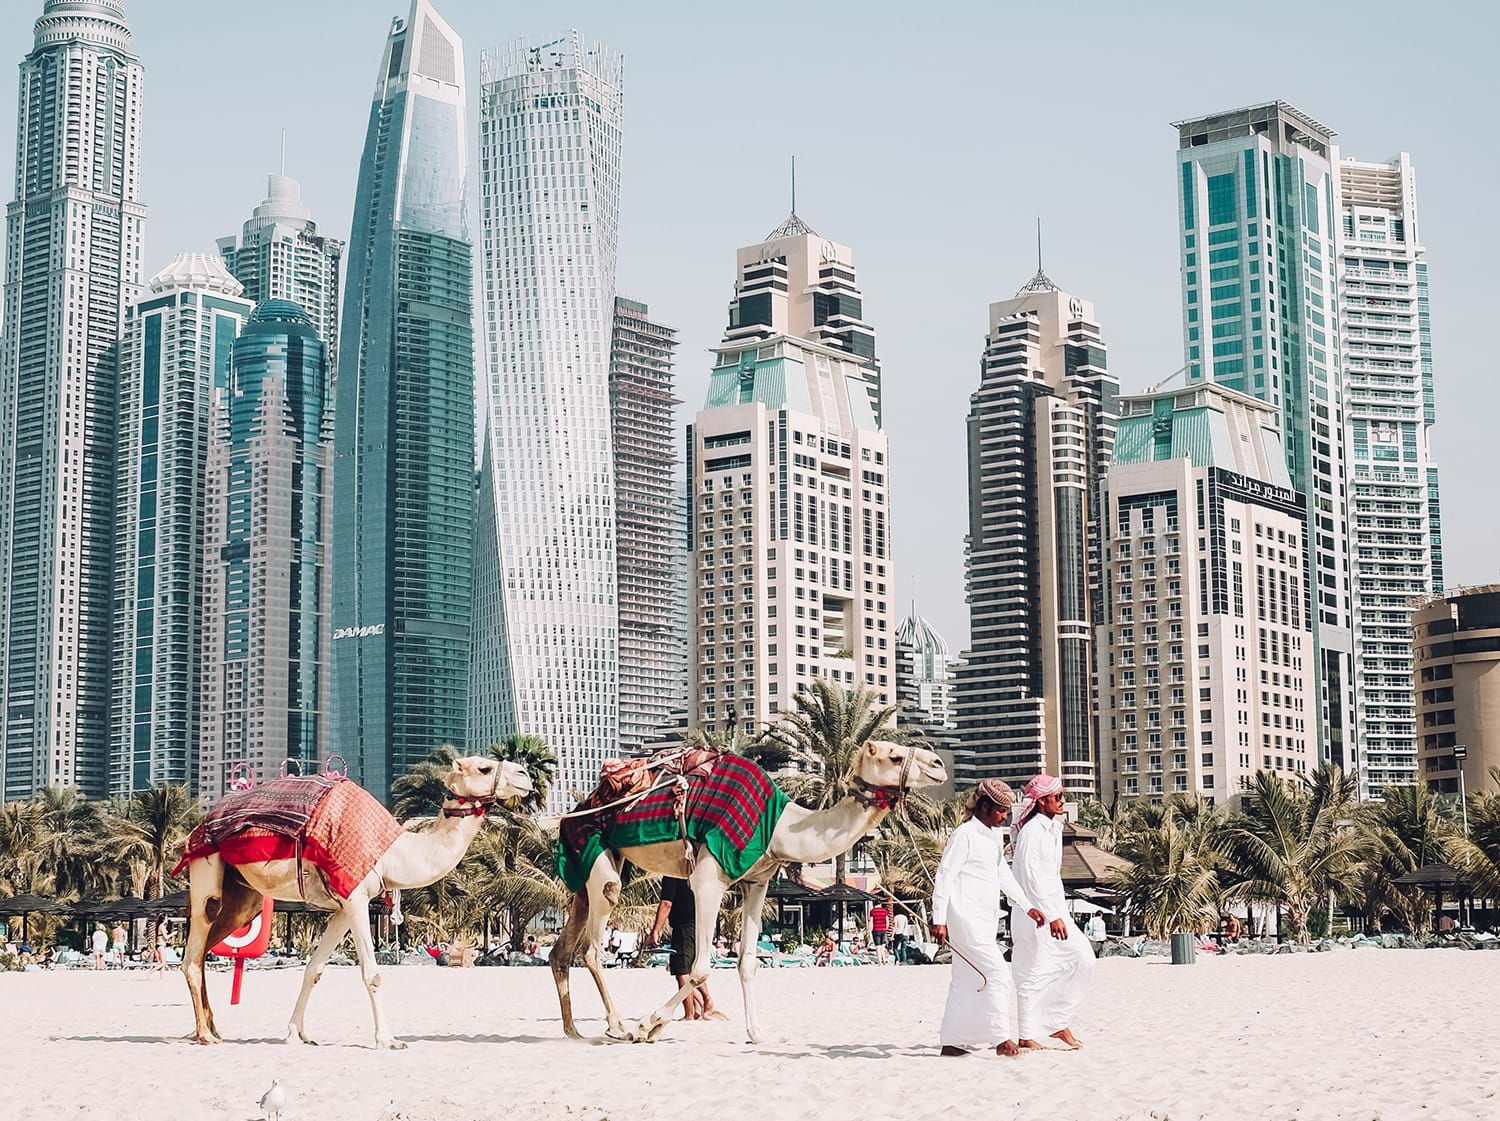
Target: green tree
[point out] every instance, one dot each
(78, 862)
(1288, 846)
(150, 827)
(1478, 853)
(1409, 828)
(25, 842)
(1171, 882)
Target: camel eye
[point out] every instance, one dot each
(486, 770)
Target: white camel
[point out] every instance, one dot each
(881, 775)
(225, 897)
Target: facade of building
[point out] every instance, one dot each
(1457, 640)
(281, 256)
(1205, 644)
(1040, 432)
(924, 671)
(647, 545)
(1258, 235)
(403, 524)
(267, 586)
(797, 283)
(792, 578)
(72, 267)
(175, 360)
(546, 629)
(1395, 524)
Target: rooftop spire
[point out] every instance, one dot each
(1040, 282)
(793, 225)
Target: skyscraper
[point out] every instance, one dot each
(1041, 431)
(280, 255)
(1258, 202)
(175, 361)
(788, 475)
(1205, 674)
(404, 423)
(647, 544)
(924, 670)
(546, 642)
(266, 667)
(797, 283)
(1395, 525)
(72, 266)
(1457, 637)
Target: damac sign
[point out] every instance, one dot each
(358, 632)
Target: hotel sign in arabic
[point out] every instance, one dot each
(1259, 491)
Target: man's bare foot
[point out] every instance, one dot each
(714, 1014)
(1031, 1045)
(1066, 1035)
(1008, 1048)
(955, 1052)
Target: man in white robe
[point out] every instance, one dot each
(966, 916)
(1055, 963)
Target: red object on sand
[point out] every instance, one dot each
(246, 942)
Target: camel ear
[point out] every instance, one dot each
(456, 769)
(870, 749)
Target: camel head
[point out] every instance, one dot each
(480, 779)
(896, 767)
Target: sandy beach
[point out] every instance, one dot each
(1364, 1035)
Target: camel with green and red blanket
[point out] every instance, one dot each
(325, 841)
(729, 825)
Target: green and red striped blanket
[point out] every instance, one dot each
(733, 812)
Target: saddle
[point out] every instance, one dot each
(623, 779)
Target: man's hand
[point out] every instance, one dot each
(1037, 917)
(1059, 930)
(940, 934)
(653, 939)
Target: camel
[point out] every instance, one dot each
(881, 775)
(225, 897)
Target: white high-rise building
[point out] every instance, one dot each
(924, 670)
(788, 477)
(1395, 527)
(175, 361)
(1205, 642)
(280, 255)
(546, 629)
(72, 267)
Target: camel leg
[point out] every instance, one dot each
(560, 959)
(357, 914)
(206, 887)
(604, 893)
(707, 882)
(755, 901)
(238, 904)
(338, 926)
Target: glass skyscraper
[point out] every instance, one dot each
(546, 628)
(1257, 198)
(72, 267)
(175, 362)
(266, 574)
(404, 421)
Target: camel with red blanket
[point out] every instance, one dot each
(328, 842)
(742, 829)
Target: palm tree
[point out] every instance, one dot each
(1408, 829)
(1478, 854)
(539, 760)
(74, 829)
(1288, 846)
(1171, 881)
(24, 844)
(150, 826)
(820, 736)
(1107, 821)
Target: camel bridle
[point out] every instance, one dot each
(875, 797)
(474, 805)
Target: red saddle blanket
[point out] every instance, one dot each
(341, 829)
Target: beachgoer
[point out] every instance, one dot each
(101, 947)
(159, 958)
(966, 915)
(825, 950)
(1446, 925)
(1053, 966)
(118, 938)
(678, 905)
(533, 947)
(900, 933)
(1094, 929)
(1232, 928)
(880, 926)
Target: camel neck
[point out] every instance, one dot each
(420, 858)
(812, 836)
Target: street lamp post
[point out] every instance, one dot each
(1460, 753)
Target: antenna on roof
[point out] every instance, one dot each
(283, 152)
(794, 184)
(1039, 246)
(1041, 282)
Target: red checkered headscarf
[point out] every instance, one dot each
(1037, 789)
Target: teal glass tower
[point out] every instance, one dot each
(404, 419)
(1257, 192)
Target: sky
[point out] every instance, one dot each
(929, 138)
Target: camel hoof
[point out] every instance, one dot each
(390, 1045)
(203, 1039)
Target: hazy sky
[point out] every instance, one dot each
(929, 138)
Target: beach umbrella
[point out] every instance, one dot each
(20, 906)
(843, 894)
(783, 888)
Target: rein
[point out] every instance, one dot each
(465, 806)
(874, 797)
